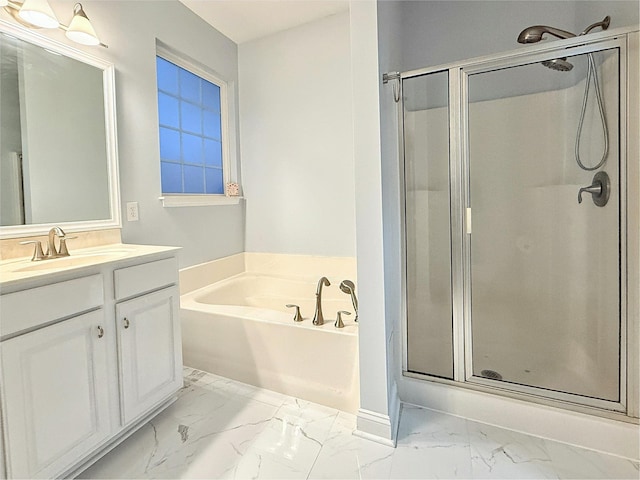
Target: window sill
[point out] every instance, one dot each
(197, 200)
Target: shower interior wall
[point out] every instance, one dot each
(453, 31)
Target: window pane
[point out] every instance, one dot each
(190, 131)
(169, 144)
(211, 96)
(214, 180)
(189, 86)
(168, 111)
(191, 117)
(171, 174)
(167, 76)
(212, 153)
(193, 179)
(191, 149)
(212, 124)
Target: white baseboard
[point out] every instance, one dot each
(379, 427)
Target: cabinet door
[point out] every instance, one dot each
(150, 350)
(56, 398)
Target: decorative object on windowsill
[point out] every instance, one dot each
(39, 14)
(233, 190)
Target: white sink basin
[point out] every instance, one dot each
(73, 261)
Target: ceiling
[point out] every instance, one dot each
(246, 20)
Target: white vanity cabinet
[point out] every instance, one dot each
(56, 394)
(149, 341)
(85, 360)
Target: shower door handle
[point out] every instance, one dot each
(599, 189)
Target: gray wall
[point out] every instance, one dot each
(130, 28)
(437, 32)
(390, 54)
(297, 140)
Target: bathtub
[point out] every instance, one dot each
(238, 326)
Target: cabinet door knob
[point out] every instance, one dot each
(100, 332)
(126, 322)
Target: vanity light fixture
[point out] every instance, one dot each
(39, 14)
(80, 29)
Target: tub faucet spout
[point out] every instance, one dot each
(318, 318)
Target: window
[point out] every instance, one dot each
(191, 112)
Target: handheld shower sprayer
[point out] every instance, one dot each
(534, 33)
(348, 287)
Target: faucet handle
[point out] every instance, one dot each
(297, 317)
(38, 254)
(339, 323)
(63, 251)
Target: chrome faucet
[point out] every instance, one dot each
(318, 318)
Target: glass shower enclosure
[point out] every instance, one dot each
(515, 217)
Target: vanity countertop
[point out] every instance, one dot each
(18, 269)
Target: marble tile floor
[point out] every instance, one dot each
(219, 428)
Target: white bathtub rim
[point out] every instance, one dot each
(256, 314)
(190, 301)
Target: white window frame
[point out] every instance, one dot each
(193, 199)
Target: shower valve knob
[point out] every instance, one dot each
(599, 189)
(595, 189)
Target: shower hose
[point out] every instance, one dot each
(592, 74)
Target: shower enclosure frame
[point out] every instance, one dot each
(625, 40)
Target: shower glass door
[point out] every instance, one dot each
(428, 240)
(544, 270)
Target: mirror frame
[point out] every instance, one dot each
(108, 77)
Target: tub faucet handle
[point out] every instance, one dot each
(297, 317)
(339, 323)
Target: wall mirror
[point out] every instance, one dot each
(58, 151)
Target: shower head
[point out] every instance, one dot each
(347, 286)
(534, 34)
(559, 64)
